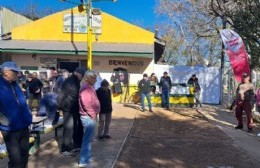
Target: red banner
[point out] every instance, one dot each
(235, 49)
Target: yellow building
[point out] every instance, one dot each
(46, 42)
(60, 40)
(49, 42)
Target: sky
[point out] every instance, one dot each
(138, 12)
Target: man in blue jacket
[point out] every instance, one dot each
(15, 117)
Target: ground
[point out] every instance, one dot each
(181, 138)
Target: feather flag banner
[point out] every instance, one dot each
(235, 49)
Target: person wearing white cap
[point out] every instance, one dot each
(15, 117)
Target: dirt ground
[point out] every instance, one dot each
(180, 138)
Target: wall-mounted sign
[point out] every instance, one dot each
(47, 62)
(77, 23)
(96, 24)
(125, 63)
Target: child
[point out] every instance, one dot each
(104, 96)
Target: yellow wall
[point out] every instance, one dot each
(132, 95)
(114, 30)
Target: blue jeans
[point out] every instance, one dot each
(48, 107)
(165, 98)
(148, 98)
(89, 126)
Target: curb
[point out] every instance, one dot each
(123, 144)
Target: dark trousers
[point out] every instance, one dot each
(17, 144)
(244, 106)
(72, 131)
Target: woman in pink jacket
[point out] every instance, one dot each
(89, 108)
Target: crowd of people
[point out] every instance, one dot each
(72, 94)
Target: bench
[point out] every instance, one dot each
(35, 138)
(40, 129)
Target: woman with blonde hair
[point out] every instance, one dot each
(89, 108)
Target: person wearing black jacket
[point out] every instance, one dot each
(165, 87)
(144, 87)
(105, 115)
(35, 90)
(68, 102)
(194, 81)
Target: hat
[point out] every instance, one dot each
(194, 75)
(11, 66)
(80, 70)
(245, 75)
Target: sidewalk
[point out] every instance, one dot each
(104, 153)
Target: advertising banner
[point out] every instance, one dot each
(235, 49)
(77, 23)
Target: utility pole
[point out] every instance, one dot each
(89, 31)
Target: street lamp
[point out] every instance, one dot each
(88, 5)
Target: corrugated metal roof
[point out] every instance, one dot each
(75, 46)
(11, 19)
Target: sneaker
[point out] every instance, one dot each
(239, 127)
(143, 110)
(85, 166)
(107, 136)
(75, 150)
(68, 154)
(150, 110)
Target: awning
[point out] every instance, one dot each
(77, 48)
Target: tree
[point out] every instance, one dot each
(242, 16)
(194, 28)
(193, 32)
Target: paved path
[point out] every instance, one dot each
(189, 138)
(226, 121)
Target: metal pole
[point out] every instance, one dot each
(89, 31)
(224, 26)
